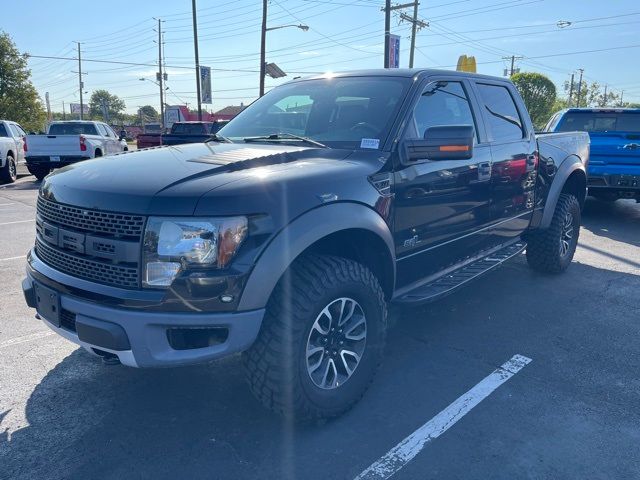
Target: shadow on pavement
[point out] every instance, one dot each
(92, 421)
(618, 220)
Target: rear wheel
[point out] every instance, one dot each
(321, 341)
(38, 171)
(552, 250)
(9, 173)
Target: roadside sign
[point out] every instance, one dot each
(75, 108)
(394, 51)
(205, 84)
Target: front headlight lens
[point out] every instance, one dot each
(173, 244)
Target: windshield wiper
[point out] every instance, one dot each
(217, 138)
(285, 136)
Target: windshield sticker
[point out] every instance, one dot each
(370, 143)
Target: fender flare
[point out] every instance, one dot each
(300, 234)
(567, 167)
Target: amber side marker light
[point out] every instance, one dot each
(454, 148)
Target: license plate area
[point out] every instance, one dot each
(47, 303)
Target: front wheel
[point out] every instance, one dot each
(38, 171)
(9, 173)
(321, 341)
(552, 250)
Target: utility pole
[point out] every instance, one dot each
(512, 70)
(414, 27)
(263, 41)
(160, 74)
(604, 99)
(581, 70)
(80, 84)
(195, 48)
(64, 115)
(621, 97)
(387, 31)
(571, 89)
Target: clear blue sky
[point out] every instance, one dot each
(343, 35)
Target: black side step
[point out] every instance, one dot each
(453, 279)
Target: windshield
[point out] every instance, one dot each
(600, 122)
(72, 129)
(351, 112)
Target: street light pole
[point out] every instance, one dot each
(387, 31)
(80, 84)
(160, 74)
(263, 41)
(195, 48)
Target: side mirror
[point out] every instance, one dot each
(449, 142)
(121, 137)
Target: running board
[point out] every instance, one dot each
(453, 279)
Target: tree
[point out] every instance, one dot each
(19, 100)
(592, 95)
(538, 93)
(114, 105)
(148, 114)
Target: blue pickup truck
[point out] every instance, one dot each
(614, 166)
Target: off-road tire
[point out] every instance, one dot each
(544, 246)
(276, 365)
(9, 173)
(39, 171)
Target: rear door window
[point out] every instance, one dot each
(501, 112)
(102, 130)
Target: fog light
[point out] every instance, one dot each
(161, 274)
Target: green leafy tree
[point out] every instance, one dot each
(19, 100)
(115, 106)
(148, 114)
(591, 95)
(538, 93)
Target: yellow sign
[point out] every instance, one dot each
(466, 64)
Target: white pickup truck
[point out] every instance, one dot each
(70, 142)
(11, 150)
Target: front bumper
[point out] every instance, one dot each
(142, 338)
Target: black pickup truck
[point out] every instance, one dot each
(287, 235)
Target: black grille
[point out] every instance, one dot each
(68, 320)
(101, 272)
(94, 221)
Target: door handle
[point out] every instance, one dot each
(632, 146)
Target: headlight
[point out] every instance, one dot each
(173, 244)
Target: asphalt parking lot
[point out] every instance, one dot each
(572, 412)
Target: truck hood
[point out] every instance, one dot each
(171, 180)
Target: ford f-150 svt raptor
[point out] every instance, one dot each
(286, 236)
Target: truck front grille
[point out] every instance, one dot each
(95, 271)
(90, 244)
(94, 221)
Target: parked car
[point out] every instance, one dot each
(287, 235)
(11, 150)
(69, 142)
(614, 170)
(181, 132)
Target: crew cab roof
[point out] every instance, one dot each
(399, 72)
(602, 110)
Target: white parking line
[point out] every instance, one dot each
(12, 258)
(18, 221)
(407, 449)
(25, 338)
